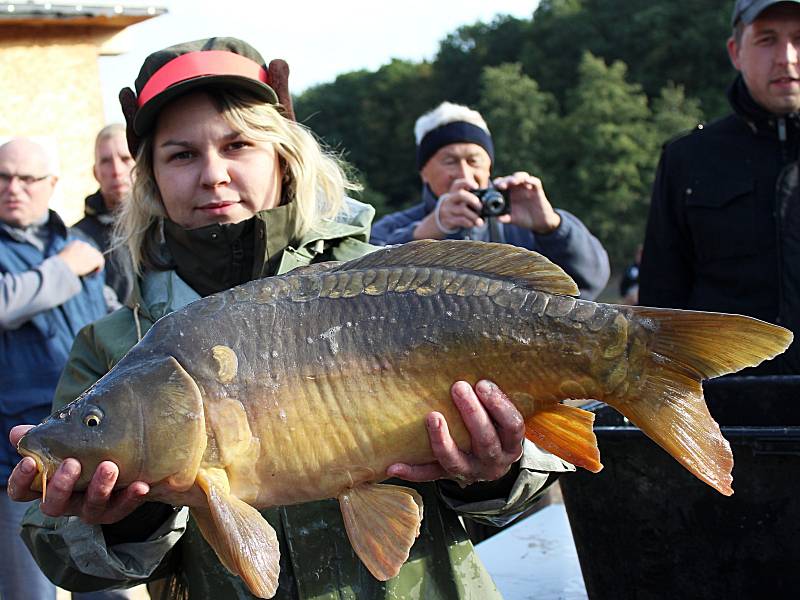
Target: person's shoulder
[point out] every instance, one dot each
(414, 212)
(83, 225)
(82, 233)
(356, 213)
(702, 135)
(112, 334)
(114, 322)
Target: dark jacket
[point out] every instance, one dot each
(98, 223)
(719, 234)
(33, 354)
(572, 246)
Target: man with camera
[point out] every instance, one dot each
(460, 201)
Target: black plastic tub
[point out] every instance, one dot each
(646, 528)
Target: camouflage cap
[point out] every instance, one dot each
(747, 11)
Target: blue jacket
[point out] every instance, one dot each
(33, 355)
(572, 246)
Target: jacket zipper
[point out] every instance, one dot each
(785, 161)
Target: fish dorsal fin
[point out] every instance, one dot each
(382, 522)
(244, 542)
(482, 258)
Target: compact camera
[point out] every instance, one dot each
(493, 202)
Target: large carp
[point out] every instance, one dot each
(309, 385)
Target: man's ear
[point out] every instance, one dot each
(94, 172)
(733, 52)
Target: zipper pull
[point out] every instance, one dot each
(782, 129)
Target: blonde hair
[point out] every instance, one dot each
(313, 178)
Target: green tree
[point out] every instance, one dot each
(463, 55)
(520, 117)
(607, 155)
(674, 113)
(372, 115)
(682, 42)
(611, 139)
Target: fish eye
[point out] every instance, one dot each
(93, 418)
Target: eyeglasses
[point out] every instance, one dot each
(25, 180)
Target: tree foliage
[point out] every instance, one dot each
(583, 95)
(521, 117)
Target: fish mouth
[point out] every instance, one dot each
(45, 467)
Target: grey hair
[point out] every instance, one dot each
(109, 131)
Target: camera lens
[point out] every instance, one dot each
(493, 203)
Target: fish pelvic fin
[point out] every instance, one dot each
(668, 406)
(382, 522)
(243, 540)
(482, 258)
(565, 431)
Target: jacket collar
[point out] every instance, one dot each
(37, 234)
(757, 117)
(94, 205)
(429, 199)
(161, 292)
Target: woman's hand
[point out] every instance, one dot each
(98, 505)
(497, 430)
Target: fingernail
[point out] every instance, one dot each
(27, 466)
(70, 468)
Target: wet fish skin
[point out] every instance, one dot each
(308, 386)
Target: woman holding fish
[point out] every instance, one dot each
(229, 188)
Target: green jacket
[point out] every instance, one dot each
(317, 560)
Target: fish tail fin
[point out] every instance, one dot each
(668, 405)
(565, 431)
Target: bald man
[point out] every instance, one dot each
(52, 285)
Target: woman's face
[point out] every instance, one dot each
(208, 173)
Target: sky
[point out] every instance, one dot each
(319, 39)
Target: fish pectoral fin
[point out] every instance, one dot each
(567, 432)
(245, 543)
(382, 522)
(175, 414)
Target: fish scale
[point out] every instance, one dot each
(309, 385)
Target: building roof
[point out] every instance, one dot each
(98, 13)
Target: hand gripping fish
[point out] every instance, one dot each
(308, 386)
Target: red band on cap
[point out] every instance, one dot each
(199, 64)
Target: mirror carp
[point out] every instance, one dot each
(309, 385)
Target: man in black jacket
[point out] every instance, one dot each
(724, 227)
(112, 169)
